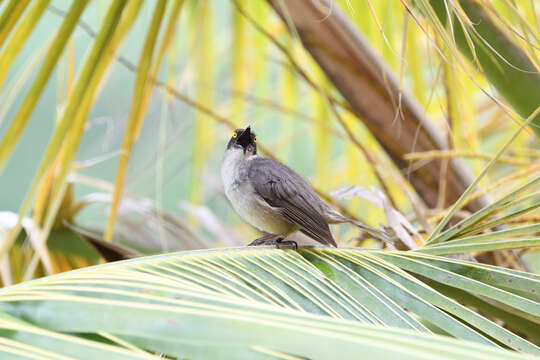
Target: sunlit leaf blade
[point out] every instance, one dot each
(513, 233)
(514, 321)
(502, 219)
(492, 275)
(23, 340)
(19, 37)
(10, 16)
(503, 63)
(382, 306)
(20, 120)
(306, 335)
(73, 140)
(247, 298)
(420, 299)
(466, 283)
(436, 236)
(137, 111)
(77, 101)
(450, 248)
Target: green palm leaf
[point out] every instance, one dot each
(313, 303)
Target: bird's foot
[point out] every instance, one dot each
(276, 241)
(280, 241)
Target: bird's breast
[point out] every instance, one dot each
(248, 204)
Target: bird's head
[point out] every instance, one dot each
(245, 140)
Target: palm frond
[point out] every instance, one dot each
(202, 302)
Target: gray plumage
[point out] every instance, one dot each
(291, 196)
(274, 198)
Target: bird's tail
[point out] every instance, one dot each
(376, 233)
(333, 217)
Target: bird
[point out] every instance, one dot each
(274, 198)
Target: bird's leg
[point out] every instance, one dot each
(280, 241)
(263, 239)
(273, 239)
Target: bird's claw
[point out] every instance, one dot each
(277, 242)
(287, 242)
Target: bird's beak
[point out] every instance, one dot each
(245, 138)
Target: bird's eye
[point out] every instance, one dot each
(234, 135)
(255, 139)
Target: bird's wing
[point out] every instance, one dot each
(285, 190)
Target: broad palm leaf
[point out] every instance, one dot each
(260, 303)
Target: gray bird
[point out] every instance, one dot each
(274, 198)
